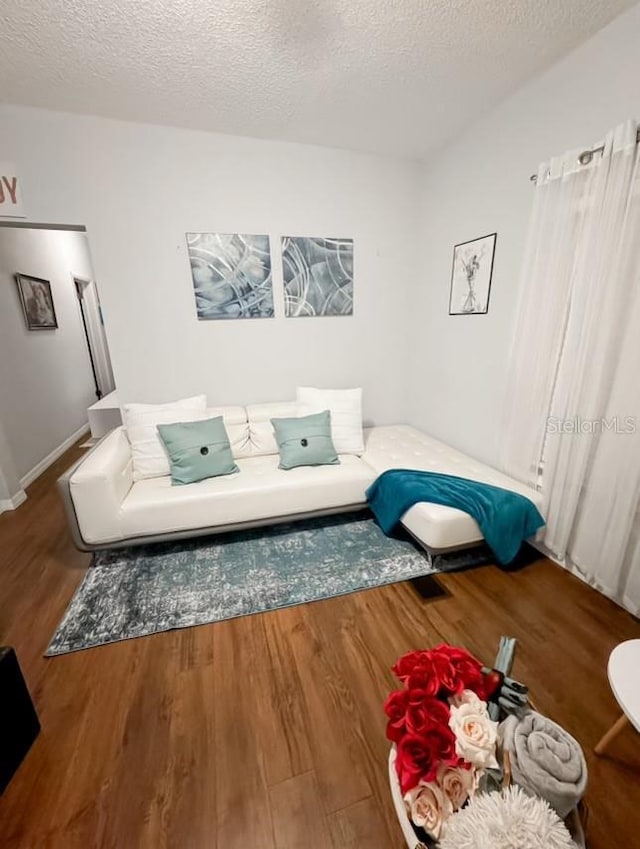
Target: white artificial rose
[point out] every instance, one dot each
(476, 734)
(468, 697)
(457, 783)
(428, 807)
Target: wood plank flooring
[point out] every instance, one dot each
(267, 731)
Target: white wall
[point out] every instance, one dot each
(480, 184)
(139, 188)
(45, 376)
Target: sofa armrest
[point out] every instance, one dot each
(95, 487)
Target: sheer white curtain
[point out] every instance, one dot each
(573, 400)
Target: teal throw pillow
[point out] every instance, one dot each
(197, 450)
(305, 441)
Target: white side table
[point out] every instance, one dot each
(624, 678)
(104, 415)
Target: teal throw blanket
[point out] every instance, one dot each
(505, 518)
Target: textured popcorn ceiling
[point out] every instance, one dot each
(389, 76)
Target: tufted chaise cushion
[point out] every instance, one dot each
(436, 526)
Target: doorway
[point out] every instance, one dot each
(54, 356)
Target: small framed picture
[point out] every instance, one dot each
(37, 302)
(471, 276)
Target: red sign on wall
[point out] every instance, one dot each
(10, 192)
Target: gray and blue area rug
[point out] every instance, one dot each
(142, 590)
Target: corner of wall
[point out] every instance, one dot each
(10, 488)
(13, 503)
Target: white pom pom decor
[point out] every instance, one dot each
(506, 820)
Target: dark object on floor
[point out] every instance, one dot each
(19, 725)
(429, 588)
(465, 558)
(525, 557)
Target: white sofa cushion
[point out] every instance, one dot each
(260, 491)
(261, 434)
(141, 420)
(235, 422)
(436, 526)
(345, 406)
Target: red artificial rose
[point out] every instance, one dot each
(414, 761)
(418, 756)
(423, 679)
(445, 673)
(423, 715)
(467, 669)
(442, 742)
(405, 665)
(474, 679)
(396, 708)
(493, 681)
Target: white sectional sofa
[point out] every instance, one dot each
(106, 508)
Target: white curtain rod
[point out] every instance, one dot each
(586, 156)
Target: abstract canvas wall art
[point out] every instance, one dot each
(37, 302)
(231, 275)
(471, 276)
(318, 276)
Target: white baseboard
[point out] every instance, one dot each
(44, 464)
(13, 503)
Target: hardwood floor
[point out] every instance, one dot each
(267, 731)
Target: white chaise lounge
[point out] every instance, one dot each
(107, 509)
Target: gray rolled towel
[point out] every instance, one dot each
(545, 760)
